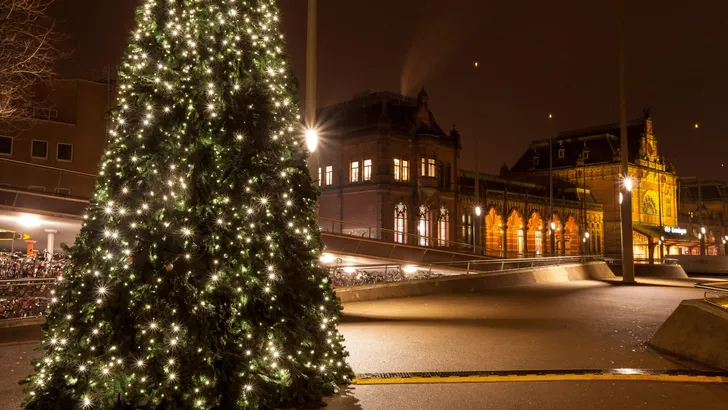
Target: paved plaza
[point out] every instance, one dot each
(578, 325)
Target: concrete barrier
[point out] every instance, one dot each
(653, 271)
(704, 264)
(696, 331)
(28, 321)
(473, 282)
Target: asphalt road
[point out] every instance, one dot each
(566, 326)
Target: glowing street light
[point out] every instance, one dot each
(628, 184)
(410, 269)
(478, 211)
(29, 221)
(312, 139)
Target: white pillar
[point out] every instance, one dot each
(51, 240)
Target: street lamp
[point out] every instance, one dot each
(627, 184)
(478, 211)
(312, 139)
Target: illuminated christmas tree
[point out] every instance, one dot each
(195, 279)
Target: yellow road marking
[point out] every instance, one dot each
(544, 377)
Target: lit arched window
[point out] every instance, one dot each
(423, 226)
(400, 223)
(443, 227)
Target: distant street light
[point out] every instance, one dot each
(478, 211)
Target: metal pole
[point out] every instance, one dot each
(700, 218)
(626, 208)
(552, 239)
(310, 108)
(476, 219)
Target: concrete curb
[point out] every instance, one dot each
(695, 331)
(6, 323)
(654, 271)
(474, 282)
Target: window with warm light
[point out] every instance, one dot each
(400, 223)
(401, 169)
(423, 226)
(466, 227)
(443, 228)
(428, 167)
(329, 175)
(354, 174)
(367, 170)
(319, 177)
(431, 170)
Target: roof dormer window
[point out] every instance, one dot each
(562, 153)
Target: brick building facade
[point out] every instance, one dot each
(591, 158)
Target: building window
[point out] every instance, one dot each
(329, 175)
(64, 152)
(443, 227)
(431, 172)
(367, 170)
(538, 241)
(562, 153)
(427, 167)
(423, 226)
(535, 161)
(319, 177)
(400, 223)
(36, 188)
(39, 149)
(6, 145)
(585, 154)
(405, 170)
(397, 169)
(467, 228)
(62, 191)
(354, 175)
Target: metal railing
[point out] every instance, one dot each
(504, 265)
(363, 275)
(362, 230)
(716, 293)
(643, 261)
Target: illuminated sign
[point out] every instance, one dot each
(676, 230)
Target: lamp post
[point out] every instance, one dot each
(626, 185)
(476, 224)
(552, 225)
(310, 107)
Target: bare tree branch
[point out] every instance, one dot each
(28, 51)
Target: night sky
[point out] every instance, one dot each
(535, 57)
